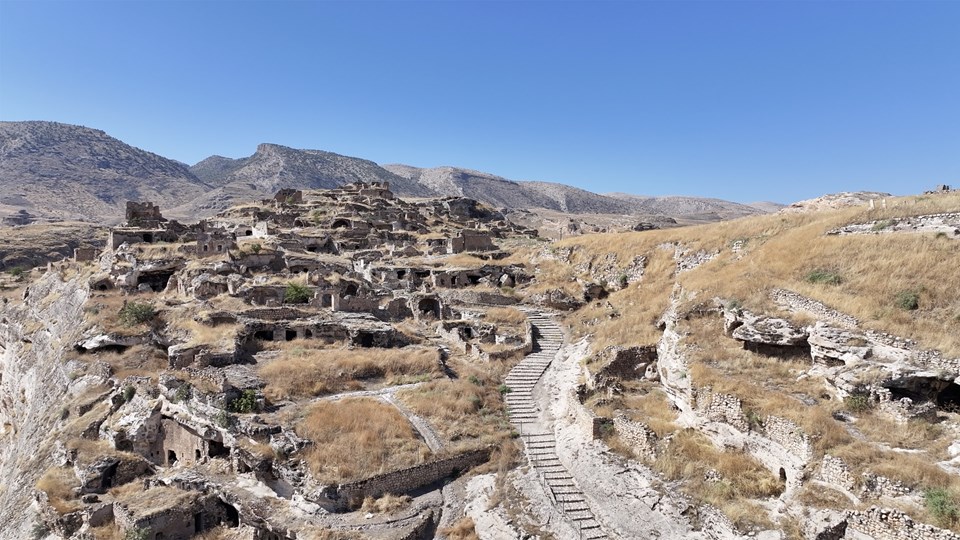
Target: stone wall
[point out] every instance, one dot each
(835, 472)
(638, 435)
(788, 435)
(889, 524)
(405, 480)
(724, 408)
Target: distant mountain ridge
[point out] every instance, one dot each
(64, 172)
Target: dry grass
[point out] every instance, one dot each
(505, 316)
(914, 470)
(463, 529)
(339, 429)
(103, 308)
(874, 268)
(632, 314)
(467, 412)
(386, 504)
(138, 360)
(61, 485)
(307, 372)
(653, 408)
(690, 456)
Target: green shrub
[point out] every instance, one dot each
(826, 277)
(882, 224)
(246, 403)
(858, 402)
(297, 294)
(138, 534)
(907, 300)
(504, 389)
(183, 393)
(17, 272)
(255, 247)
(223, 419)
(475, 380)
(734, 305)
(942, 506)
(128, 393)
(133, 313)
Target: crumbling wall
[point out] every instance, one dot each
(834, 471)
(724, 408)
(889, 524)
(406, 480)
(638, 435)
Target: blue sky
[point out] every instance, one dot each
(740, 100)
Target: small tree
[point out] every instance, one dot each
(296, 294)
(246, 403)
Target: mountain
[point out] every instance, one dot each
(51, 172)
(702, 208)
(504, 193)
(66, 172)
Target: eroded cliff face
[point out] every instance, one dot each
(35, 338)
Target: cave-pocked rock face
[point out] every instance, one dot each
(944, 393)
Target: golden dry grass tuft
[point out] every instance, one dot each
(505, 316)
(339, 428)
(653, 408)
(61, 486)
(463, 529)
(386, 504)
(307, 372)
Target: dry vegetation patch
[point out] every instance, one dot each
(358, 438)
(61, 486)
(462, 529)
(307, 372)
(737, 476)
(468, 412)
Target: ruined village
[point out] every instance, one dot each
(345, 363)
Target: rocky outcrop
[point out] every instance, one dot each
(35, 384)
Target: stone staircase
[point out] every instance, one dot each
(539, 442)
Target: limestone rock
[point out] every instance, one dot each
(770, 331)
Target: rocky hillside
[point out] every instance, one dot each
(68, 172)
(273, 167)
(505, 193)
(62, 172)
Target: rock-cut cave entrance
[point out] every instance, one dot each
(945, 394)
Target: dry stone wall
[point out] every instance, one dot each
(640, 437)
(406, 480)
(888, 524)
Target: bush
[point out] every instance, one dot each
(138, 534)
(907, 300)
(133, 313)
(255, 248)
(881, 225)
(223, 419)
(504, 389)
(297, 294)
(942, 505)
(128, 393)
(246, 403)
(183, 393)
(17, 272)
(826, 277)
(858, 402)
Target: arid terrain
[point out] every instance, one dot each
(347, 363)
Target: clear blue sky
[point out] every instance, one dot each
(739, 100)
